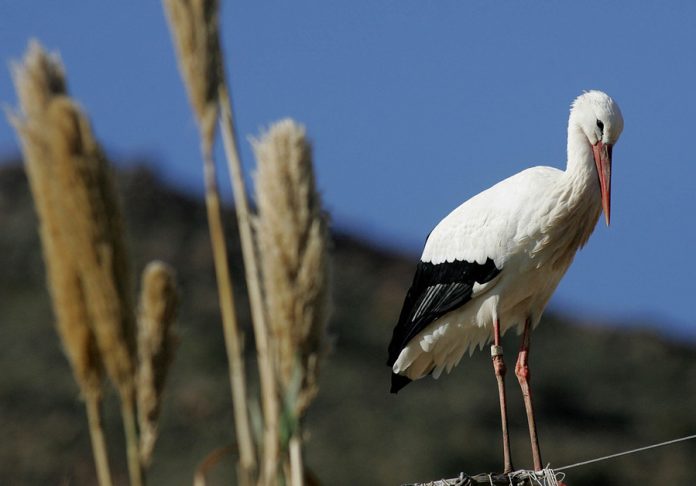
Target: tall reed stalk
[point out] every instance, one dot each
(269, 393)
(194, 27)
(285, 263)
(83, 243)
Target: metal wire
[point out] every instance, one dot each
(632, 451)
(547, 477)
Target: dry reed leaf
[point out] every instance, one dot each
(39, 81)
(292, 239)
(156, 314)
(77, 182)
(195, 32)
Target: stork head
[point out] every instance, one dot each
(599, 118)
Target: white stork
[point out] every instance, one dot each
(493, 263)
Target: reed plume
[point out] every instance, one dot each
(39, 80)
(57, 133)
(93, 228)
(292, 238)
(156, 313)
(195, 33)
(40, 84)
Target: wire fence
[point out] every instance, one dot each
(546, 477)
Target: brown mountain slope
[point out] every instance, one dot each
(599, 390)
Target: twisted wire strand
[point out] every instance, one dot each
(625, 453)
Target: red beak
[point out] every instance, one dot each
(602, 158)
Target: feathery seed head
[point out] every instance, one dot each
(292, 237)
(38, 79)
(71, 180)
(194, 27)
(40, 84)
(156, 314)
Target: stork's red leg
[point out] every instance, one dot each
(500, 369)
(523, 376)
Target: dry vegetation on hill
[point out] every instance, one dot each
(592, 400)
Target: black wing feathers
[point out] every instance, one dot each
(435, 291)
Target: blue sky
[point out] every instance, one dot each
(416, 105)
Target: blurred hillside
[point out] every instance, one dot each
(598, 390)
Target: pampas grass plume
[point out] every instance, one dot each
(40, 80)
(77, 203)
(156, 314)
(292, 240)
(92, 224)
(41, 89)
(194, 27)
(73, 188)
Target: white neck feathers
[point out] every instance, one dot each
(579, 204)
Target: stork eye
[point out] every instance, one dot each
(600, 125)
